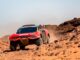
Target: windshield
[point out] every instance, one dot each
(27, 30)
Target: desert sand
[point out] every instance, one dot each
(64, 45)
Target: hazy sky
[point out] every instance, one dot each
(15, 13)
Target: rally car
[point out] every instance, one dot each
(29, 34)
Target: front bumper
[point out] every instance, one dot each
(24, 38)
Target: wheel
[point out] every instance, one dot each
(13, 45)
(21, 45)
(43, 37)
(38, 42)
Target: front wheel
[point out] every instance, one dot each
(21, 45)
(13, 45)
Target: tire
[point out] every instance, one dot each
(21, 45)
(38, 42)
(13, 45)
(44, 37)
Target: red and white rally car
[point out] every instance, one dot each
(29, 34)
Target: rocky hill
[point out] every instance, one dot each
(69, 26)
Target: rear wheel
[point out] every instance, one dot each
(45, 37)
(13, 45)
(38, 42)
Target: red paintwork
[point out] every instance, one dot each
(34, 35)
(29, 36)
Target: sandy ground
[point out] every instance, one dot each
(55, 50)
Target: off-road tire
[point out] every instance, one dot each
(38, 42)
(21, 45)
(13, 45)
(44, 37)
